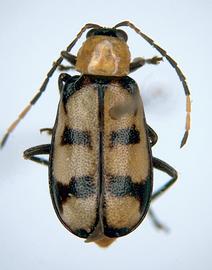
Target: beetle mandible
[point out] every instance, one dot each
(100, 161)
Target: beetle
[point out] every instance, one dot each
(100, 160)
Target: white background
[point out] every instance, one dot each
(32, 35)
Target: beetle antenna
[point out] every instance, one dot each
(177, 69)
(44, 84)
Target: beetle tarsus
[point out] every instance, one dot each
(154, 60)
(139, 62)
(158, 224)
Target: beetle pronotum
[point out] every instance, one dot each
(100, 161)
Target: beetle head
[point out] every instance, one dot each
(105, 52)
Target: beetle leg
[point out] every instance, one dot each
(69, 57)
(44, 84)
(62, 79)
(157, 223)
(163, 166)
(32, 152)
(152, 135)
(139, 62)
(65, 68)
(47, 130)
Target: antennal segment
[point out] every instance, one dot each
(44, 84)
(177, 69)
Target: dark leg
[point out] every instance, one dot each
(156, 222)
(47, 130)
(65, 67)
(139, 62)
(62, 80)
(69, 57)
(162, 166)
(43, 149)
(44, 84)
(152, 135)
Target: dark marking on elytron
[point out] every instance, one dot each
(114, 232)
(82, 187)
(75, 136)
(125, 136)
(60, 193)
(79, 187)
(121, 186)
(81, 233)
(128, 84)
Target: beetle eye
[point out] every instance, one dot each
(93, 32)
(111, 32)
(122, 35)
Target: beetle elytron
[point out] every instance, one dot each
(100, 160)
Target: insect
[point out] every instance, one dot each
(100, 161)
